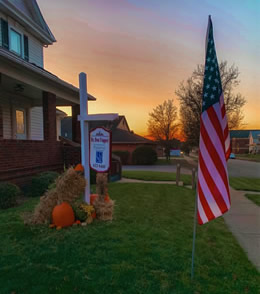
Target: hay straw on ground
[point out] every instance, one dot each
(68, 187)
(104, 210)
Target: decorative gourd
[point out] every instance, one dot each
(93, 197)
(79, 167)
(63, 215)
(107, 199)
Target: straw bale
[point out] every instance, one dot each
(69, 186)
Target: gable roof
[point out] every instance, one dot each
(241, 134)
(244, 134)
(27, 12)
(119, 136)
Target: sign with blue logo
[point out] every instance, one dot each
(100, 149)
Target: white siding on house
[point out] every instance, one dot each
(35, 46)
(36, 118)
(35, 51)
(7, 126)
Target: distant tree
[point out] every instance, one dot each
(190, 97)
(162, 125)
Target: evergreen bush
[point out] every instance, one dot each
(144, 155)
(41, 182)
(8, 194)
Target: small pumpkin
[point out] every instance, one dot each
(93, 198)
(107, 199)
(93, 214)
(63, 215)
(79, 167)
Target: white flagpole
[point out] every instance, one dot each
(196, 197)
(84, 132)
(194, 230)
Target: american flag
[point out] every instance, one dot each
(214, 149)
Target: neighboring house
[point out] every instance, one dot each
(29, 95)
(244, 141)
(123, 139)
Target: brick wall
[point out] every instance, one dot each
(20, 159)
(240, 145)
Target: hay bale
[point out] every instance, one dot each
(101, 185)
(68, 188)
(104, 210)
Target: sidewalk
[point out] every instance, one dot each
(243, 220)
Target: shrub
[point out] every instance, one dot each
(124, 155)
(41, 183)
(144, 155)
(8, 194)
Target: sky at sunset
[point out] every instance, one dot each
(136, 52)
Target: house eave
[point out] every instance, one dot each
(31, 26)
(18, 66)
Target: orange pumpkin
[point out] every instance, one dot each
(93, 198)
(63, 215)
(79, 167)
(107, 199)
(93, 214)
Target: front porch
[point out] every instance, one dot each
(29, 96)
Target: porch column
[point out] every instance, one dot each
(76, 136)
(1, 123)
(49, 116)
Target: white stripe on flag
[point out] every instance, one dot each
(202, 213)
(213, 172)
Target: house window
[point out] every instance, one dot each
(20, 123)
(15, 42)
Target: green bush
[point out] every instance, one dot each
(41, 183)
(8, 194)
(124, 155)
(144, 155)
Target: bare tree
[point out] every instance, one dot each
(162, 124)
(190, 97)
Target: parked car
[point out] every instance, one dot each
(232, 156)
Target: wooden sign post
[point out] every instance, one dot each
(84, 119)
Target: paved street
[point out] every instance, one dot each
(236, 168)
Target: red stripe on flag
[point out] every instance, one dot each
(204, 203)
(216, 124)
(212, 186)
(199, 219)
(214, 155)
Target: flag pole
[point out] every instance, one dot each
(194, 231)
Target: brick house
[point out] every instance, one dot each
(244, 141)
(29, 95)
(123, 139)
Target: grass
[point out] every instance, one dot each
(245, 184)
(254, 197)
(146, 249)
(155, 176)
(251, 157)
(174, 161)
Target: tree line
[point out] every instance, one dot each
(165, 120)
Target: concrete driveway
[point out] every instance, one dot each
(236, 168)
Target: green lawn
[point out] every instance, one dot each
(155, 176)
(254, 197)
(146, 249)
(251, 157)
(245, 184)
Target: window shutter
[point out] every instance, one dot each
(26, 47)
(5, 37)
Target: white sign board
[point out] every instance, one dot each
(100, 149)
